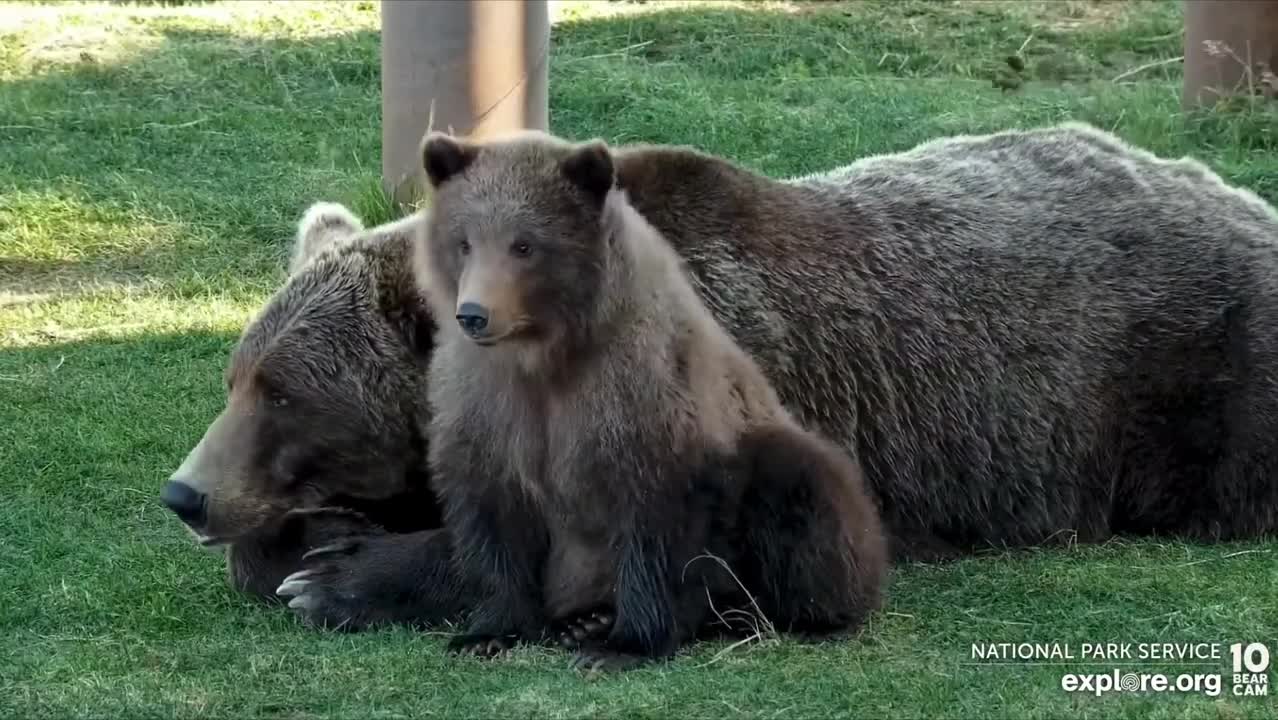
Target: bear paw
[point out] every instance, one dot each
(341, 585)
(482, 644)
(258, 562)
(571, 632)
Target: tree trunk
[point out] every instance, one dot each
(1248, 32)
(472, 68)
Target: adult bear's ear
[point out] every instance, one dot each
(323, 225)
(590, 168)
(444, 156)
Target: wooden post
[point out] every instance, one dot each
(1248, 28)
(473, 67)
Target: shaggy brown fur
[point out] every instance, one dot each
(594, 431)
(1029, 336)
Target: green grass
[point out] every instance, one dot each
(153, 160)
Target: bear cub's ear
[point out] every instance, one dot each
(590, 168)
(444, 156)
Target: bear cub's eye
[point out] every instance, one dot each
(521, 247)
(464, 246)
(278, 400)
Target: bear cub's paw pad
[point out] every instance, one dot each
(571, 632)
(482, 644)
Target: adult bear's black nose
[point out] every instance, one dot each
(472, 317)
(185, 502)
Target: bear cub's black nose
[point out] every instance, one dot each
(185, 502)
(472, 317)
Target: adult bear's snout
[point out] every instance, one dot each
(185, 501)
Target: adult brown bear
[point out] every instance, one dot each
(1023, 336)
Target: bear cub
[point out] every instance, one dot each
(601, 446)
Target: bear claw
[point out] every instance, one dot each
(294, 584)
(481, 645)
(330, 549)
(302, 602)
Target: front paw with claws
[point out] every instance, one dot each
(258, 562)
(376, 577)
(571, 632)
(336, 589)
(482, 644)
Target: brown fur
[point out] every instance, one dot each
(602, 431)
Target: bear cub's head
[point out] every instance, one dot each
(516, 251)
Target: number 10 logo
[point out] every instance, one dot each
(1255, 656)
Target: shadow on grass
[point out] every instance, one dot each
(89, 430)
(105, 410)
(92, 399)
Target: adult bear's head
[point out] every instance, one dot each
(325, 388)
